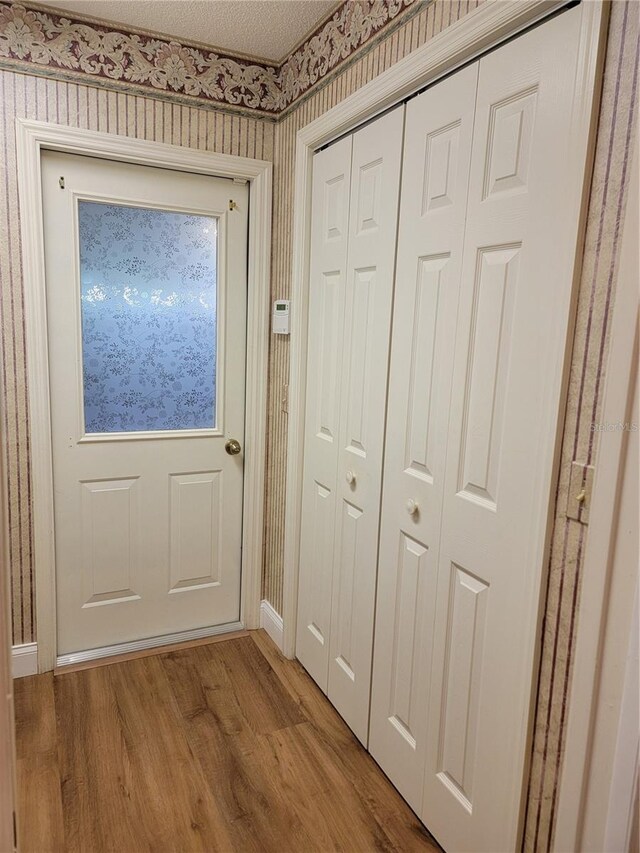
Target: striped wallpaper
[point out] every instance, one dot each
(76, 105)
(210, 129)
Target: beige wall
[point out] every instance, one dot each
(205, 128)
(97, 109)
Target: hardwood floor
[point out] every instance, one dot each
(221, 747)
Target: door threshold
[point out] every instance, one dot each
(148, 646)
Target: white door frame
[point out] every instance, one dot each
(32, 138)
(487, 26)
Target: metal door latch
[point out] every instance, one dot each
(232, 204)
(579, 492)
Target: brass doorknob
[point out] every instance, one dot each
(232, 447)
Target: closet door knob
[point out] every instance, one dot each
(412, 507)
(351, 478)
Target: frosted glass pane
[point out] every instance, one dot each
(148, 281)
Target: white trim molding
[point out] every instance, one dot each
(271, 622)
(487, 26)
(24, 660)
(32, 138)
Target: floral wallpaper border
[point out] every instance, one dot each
(54, 43)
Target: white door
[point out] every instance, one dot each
(330, 228)
(146, 299)
(437, 154)
(355, 203)
(457, 613)
(507, 383)
(373, 220)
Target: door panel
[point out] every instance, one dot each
(420, 449)
(413, 584)
(493, 299)
(466, 624)
(510, 343)
(195, 523)
(146, 296)
(110, 563)
(327, 294)
(375, 184)
(436, 162)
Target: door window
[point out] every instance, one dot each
(149, 319)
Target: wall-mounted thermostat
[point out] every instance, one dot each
(280, 325)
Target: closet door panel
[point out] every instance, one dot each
(436, 163)
(330, 217)
(375, 187)
(510, 344)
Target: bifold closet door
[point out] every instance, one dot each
(437, 155)
(460, 615)
(346, 402)
(327, 296)
(373, 221)
(507, 383)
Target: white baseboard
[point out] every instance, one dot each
(24, 660)
(25, 656)
(271, 622)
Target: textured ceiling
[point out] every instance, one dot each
(267, 29)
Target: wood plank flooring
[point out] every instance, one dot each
(221, 747)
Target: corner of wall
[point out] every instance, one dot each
(272, 623)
